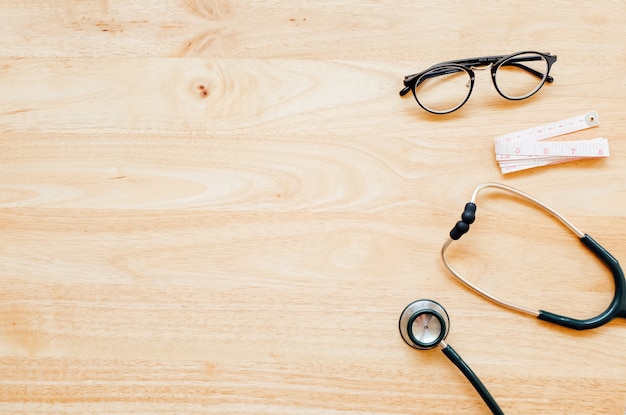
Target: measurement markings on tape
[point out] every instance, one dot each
(524, 149)
(554, 129)
(598, 147)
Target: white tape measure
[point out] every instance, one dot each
(524, 149)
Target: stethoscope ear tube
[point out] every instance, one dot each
(617, 308)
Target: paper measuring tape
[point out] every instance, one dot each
(525, 149)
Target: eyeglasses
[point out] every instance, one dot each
(446, 86)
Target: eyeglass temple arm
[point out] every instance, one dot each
(486, 60)
(531, 70)
(471, 62)
(408, 79)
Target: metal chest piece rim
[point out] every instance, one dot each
(424, 324)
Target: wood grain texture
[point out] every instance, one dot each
(223, 206)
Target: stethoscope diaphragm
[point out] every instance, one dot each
(424, 324)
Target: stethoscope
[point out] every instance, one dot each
(424, 324)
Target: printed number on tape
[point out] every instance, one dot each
(524, 149)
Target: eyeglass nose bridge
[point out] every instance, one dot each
(482, 67)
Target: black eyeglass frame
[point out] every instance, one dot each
(411, 82)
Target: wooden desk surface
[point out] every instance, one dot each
(223, 206)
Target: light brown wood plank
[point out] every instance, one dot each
(383, 30)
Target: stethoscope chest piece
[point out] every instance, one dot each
(424, 324)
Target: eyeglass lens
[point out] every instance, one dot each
(443, 89)
(521, 75)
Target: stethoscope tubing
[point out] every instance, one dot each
(456, 359)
